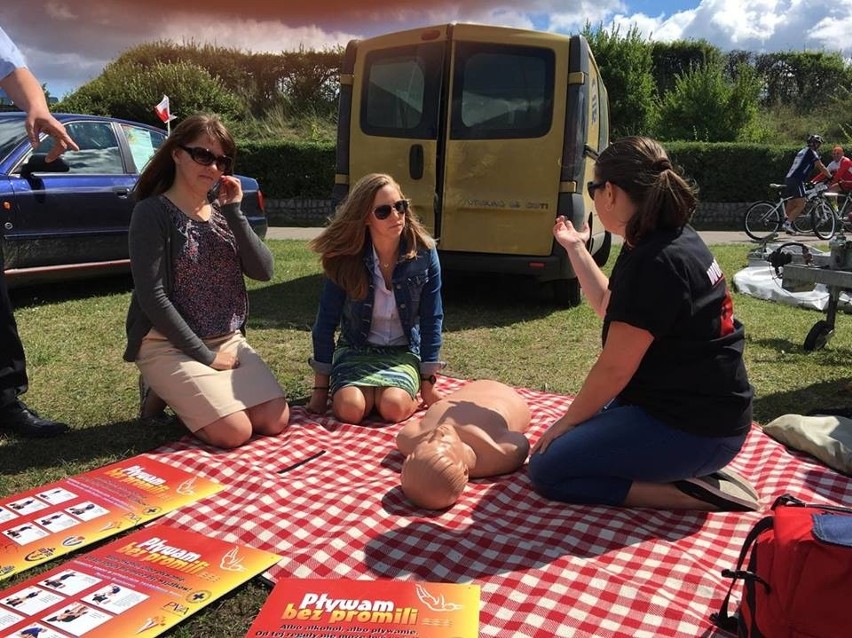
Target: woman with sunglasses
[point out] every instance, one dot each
(189, 251)
(382, 289)
(668, 404)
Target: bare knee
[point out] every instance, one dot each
(348, 411)
(270, 418)
(228, 432)
(351, 404)
(395, 405)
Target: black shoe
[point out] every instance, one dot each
(19, 419)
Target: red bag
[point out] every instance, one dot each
(799, 578)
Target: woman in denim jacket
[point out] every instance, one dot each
(382, 289)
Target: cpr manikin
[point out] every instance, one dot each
(474, 432)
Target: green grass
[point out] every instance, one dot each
(499, 328)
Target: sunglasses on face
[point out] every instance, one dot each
(205, 157)
(591, 187)
(384, 211)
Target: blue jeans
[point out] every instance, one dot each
(597, 461)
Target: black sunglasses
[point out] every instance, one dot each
(591, 187)
(206, 158)
(384, 211)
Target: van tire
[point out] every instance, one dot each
(602, 256)
(566, 292)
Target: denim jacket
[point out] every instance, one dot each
(417, 290)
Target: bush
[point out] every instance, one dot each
(131, 91)
(706, 106)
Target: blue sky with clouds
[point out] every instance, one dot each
(68, 42)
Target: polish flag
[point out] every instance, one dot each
(162, 110)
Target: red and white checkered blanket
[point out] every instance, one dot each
(544, 568)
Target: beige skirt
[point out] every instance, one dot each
(197, 393)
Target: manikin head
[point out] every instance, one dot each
(435, 473)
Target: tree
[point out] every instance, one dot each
(803, 78)
(626, 67)
(671, 59)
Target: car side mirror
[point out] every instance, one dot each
(37, 164)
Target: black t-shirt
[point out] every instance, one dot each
(692, 377)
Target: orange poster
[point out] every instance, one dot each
(49, 521)
(139, 585)
(314, 608)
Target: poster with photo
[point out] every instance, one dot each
(139, 585)
(52, 520)
(314, 608)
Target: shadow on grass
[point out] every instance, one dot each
(101, 443)
(39, 294)
(818, 396)
(831, 355)
(470, 301)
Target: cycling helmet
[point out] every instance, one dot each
(814, 139)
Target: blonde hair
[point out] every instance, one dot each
(431, 478)
(341, 244)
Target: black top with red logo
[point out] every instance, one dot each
(692, 376)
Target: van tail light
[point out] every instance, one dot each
(260, 201)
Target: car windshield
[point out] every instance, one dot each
(12, 133)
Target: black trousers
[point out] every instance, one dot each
(13, 365)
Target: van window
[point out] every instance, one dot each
(401, 91)
(502, 92)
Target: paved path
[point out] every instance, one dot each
(710, 236)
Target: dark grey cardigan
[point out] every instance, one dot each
(154, 242)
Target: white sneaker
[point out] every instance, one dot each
(787, 227)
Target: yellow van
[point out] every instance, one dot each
(491, 131)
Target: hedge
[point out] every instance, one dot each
(723, 172)
(288, 169)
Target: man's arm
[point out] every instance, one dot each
(26, 92)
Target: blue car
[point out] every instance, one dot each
(69, 218)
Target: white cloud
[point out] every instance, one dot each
(755, 25)
(250, 35)
(59, 11)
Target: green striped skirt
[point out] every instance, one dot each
(375, 366)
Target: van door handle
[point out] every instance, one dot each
(415, 161)
(121, 191)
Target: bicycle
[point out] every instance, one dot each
(764, 219)
(826, 220)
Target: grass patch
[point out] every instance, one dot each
(496, 327)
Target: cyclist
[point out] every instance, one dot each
(840, 168)
(803, 165)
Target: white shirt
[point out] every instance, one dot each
(385, 328)
(11, 57)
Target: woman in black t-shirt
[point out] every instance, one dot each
(667, 405)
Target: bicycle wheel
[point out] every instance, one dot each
(762, 219)
(804, 223)
(823, 219)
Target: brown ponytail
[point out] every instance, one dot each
(641, 168)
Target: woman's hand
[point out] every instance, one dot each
(231, 190)
(429, 394)
(556, 430)
(318, 403)
(567, 235)
(225, 361)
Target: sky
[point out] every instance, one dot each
(68, 42)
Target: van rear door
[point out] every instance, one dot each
(395, 113)
(504, 141)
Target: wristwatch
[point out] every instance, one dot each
(431, 379)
